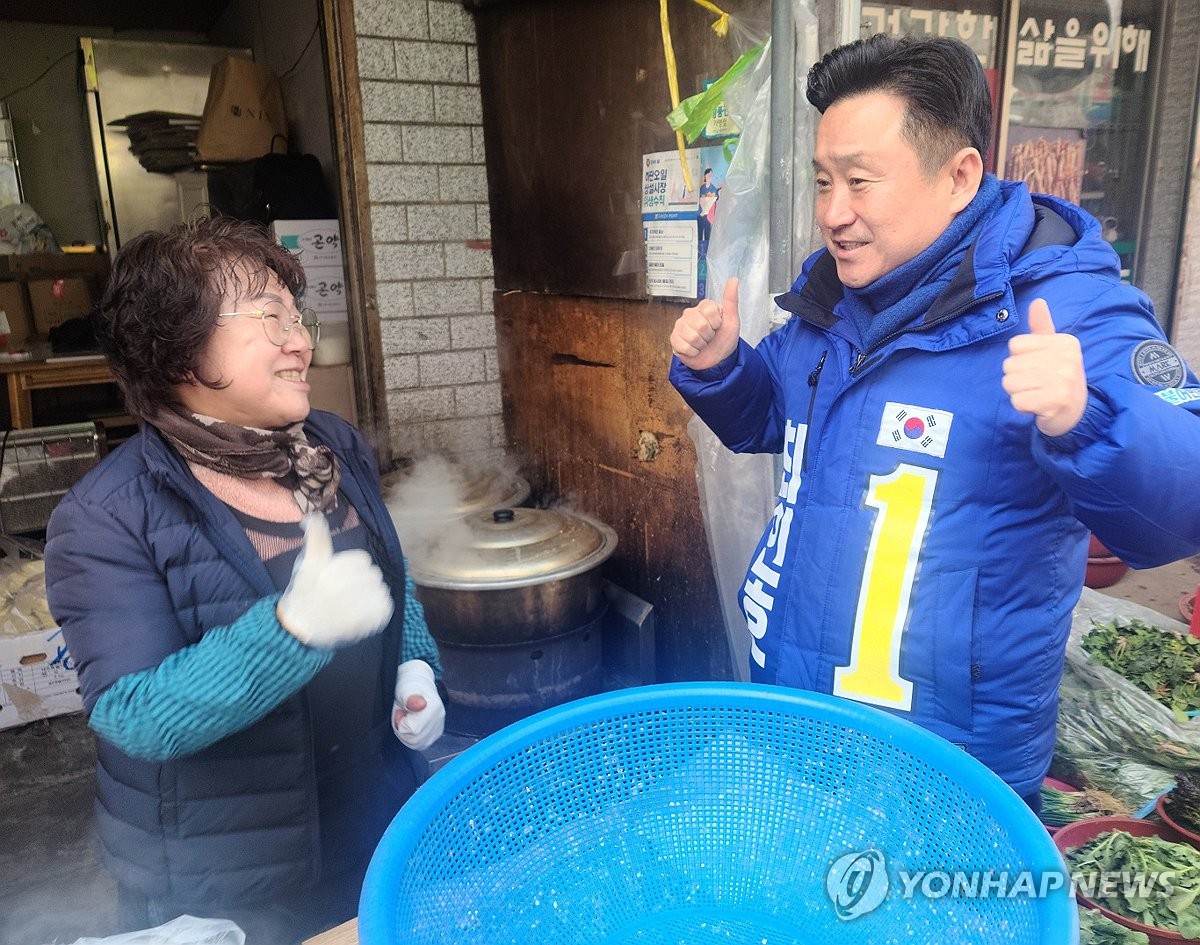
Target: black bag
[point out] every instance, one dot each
(232, 193)
(75, 334)
(292, 187)
(272, 187)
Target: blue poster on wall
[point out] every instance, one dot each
(678, 219)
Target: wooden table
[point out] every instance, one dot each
(24, 377)
(344, 934)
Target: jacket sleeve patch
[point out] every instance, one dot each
(1157, 364)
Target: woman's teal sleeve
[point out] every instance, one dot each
(418, 642)
(230, 679)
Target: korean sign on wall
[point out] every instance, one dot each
(1073, 95)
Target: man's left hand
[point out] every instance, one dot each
(1044, 375)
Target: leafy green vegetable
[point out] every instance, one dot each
(1148, 879)
(1095, 928)
(1093, 751)
(1161, 663)
(1060, 808)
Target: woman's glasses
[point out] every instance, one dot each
(278, 323)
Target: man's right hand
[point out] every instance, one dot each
(706, 334)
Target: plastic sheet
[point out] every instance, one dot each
(185, 930)
(737, 492)
(1112, 735)
(23, 231)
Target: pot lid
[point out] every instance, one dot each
(507, 548)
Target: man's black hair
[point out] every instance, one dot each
(949, 103)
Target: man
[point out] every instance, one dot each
(710, 193)
(965, 389)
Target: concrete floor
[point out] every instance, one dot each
(1159, 589)
(52, 886)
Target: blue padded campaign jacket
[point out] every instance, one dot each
(142, 561)
(929, 543)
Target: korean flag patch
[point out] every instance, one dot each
(916, 429)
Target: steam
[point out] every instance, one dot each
(430, 502)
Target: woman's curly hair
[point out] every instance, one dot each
(160, 306)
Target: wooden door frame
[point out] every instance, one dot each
(350, 158)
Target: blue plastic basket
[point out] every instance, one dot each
(698, 812)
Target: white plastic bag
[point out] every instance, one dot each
(23, 231)
(1112, 736)
(1148, 729)
(186, 930)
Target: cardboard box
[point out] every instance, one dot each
(37, 674)
(318, 243)
(56, 300)
(20, 322)
(37, 678)
(42, 290)
(326, 293)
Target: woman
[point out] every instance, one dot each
(225, 582)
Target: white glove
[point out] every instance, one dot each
(332, 599)
(418, 724)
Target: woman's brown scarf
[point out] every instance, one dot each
(252, 453)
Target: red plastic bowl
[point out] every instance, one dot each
(1080, 832)
(1103, 568)
(1104, 572)
(1184, 835)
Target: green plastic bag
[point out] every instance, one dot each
(692, 114)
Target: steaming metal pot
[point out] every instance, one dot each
(516, 609)
(522, 574)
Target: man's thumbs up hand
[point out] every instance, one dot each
(1040, 321)
(1044, 375)
(706, 334)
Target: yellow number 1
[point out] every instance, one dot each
(904, 499)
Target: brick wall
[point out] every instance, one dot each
(429, 223)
